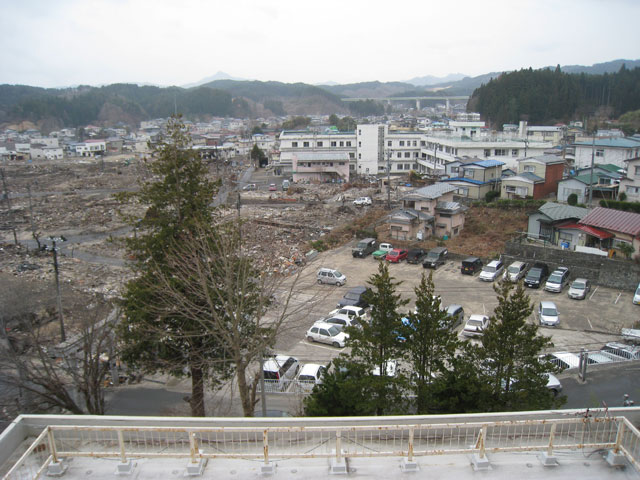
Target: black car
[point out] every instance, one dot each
(436, 256)
(355, 297)
(416, 255)
(471, 265)
(536, 276)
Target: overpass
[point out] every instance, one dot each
(447, 99)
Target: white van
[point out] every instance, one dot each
(285, 185)
(331, 277)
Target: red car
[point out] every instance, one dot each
(397, 255)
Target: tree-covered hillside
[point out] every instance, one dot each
(545, 97)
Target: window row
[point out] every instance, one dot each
(319, 143)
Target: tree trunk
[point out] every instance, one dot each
(245, 393)
(197, 392)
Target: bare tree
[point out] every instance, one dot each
(215, 284)
(38, 375)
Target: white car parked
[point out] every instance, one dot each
(327, 333)
(362, 202)
(310, 376)
(475, 326)
(492, 271)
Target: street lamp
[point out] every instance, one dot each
(53, 248)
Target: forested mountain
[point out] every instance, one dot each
(545, 97)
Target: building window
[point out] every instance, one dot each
(500, 152)
(487, 152)
(348, 144)
(341, 143)
(415, 166)
(319, 144)
(359, 132)
(359, 144)
(359, 156)
(530, 168)
(407, 166)
(333, 144)
(399, 155)
(514, 152)
(415, 144)
(407, 154)
(305, 144)
(636, 170)
(600, 152)
(294, 144)
(351, 155)
(423, 143)
(389, 143)
(402, 143)
(399, 166)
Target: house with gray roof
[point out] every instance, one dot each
(607, 150)
(426, 212)
(537, 177)
(476, 178)
(603, 182)
(543, 222)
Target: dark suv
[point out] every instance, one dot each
(471, 265)
(536, 276)
(436, 256)
(355, 297)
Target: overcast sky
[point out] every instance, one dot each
(55, 43)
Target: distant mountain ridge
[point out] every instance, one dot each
(429, 80)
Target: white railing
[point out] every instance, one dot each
(335, 442)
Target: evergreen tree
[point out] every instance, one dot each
(508, 360)
(431, 343)
(154, 336)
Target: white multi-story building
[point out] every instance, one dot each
(91, 148)
(308, 143)
(607, 150)
(44, 152)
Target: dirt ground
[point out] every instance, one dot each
(75, 199)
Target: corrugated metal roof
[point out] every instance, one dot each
(431, 192)
(595, 232)
(629, 142)
(488, 163)
(543, 159)
(614, 220)
(466, 180)
(558, 211)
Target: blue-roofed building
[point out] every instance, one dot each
(607, 150)
(477, 178)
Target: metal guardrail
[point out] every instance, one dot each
(56, 443)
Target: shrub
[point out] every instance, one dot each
(572, 199)
(617, 205)
(622, 197)
(490, 195)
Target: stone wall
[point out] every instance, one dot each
(608, 272)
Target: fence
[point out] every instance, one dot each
(334, 442)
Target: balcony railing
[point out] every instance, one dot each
(57, 443)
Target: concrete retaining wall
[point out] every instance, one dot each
(608, 272)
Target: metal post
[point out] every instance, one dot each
(52, 445)
(265, 446)
(619, 435)
(338, 447)
(123, 455)
(193, 447)
(410, 452)
(552, 435)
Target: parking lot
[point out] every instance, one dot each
(588, 323)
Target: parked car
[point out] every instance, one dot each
(351, 311)
(492, 271)
(273, 187)
(327, 333)
(416, 255)
(537, 274)
(548, 314)
(249, 187)
(516, 271)
(471, 265)
(396, 255)
(355, 297)
(553, 384)
(391, 368)
(382, 251)
(310, 375)
(475, 326)
(436, 256)
(636, 297)
(331, 277)
(362, 202)
(558, 279)
(579, 289)
(285, 185)
(280, 369)
(455, 312)
(364, 247)
(342, 320)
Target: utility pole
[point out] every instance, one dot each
(388, 179)
(63, 337)
(593, 151)
(33, 226)
(6, 197)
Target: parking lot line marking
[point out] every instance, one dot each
(591, 326)
(594, 292)
(314, 344)
(617, 298)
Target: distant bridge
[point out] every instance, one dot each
(416, 99)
